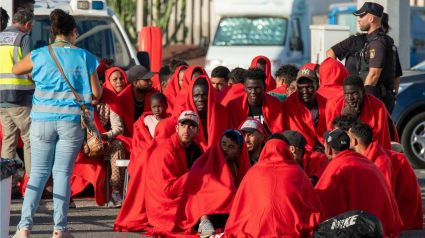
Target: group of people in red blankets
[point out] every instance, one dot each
(236, 161)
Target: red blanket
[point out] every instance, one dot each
(407, 192)
(173, 88)
(373, 113)
(353, 182)
(332, 74)
(217, 118)
(132, 216)
(275, 199)
(127, 102)
(311, 66)
(272, 111)
(377, 155)
(165, 179)
(108, 73)
(229, 93)
(280, 90)
(270, 81)
(210, 188)
(93, 171)
(299, 119)
(314, 163)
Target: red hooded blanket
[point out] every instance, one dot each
(353, 182)
(108, 73)
(275, 199)
(127, 102)
(332, 74)
(407, 192)
(217, 116)
(270, 81)
(298, 118)
(229, 93)
(93, 171)
(173, 88)
(314, 163)
(272, 111)
(280, 90)
(210, 188)
(373, 113)
(165, 179)
(377, 155)
(132, 216)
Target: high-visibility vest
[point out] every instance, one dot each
(12, 87)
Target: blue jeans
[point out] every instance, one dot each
(54, 148)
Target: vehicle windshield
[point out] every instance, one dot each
(251, 31)
(347, 19)
(99, 35)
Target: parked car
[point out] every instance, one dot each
(409, 114)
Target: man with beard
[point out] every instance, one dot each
(166, 175)
(306, 110)
(256, 103)
(370, 110)
(220, 78)
(254, 134)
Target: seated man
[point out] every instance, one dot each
(367, 108)
(135, 98)
(361, 140)
(167, 173)
(214, 119)
(275, 199)
(212, 184)
(407, 192)
(235, 89)
(257, 104)
(353, 182)
(313, 163)
(305, 110)
(283, 75)
(263, 63)
(164, 77)
(332, 74)
(254, 134)
(220, 78)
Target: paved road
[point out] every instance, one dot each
(91, 221)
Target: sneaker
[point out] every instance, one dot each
(116, 200)
(72, 204)
(206, 229)
(63, 234)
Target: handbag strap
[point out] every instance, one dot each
(83, 107)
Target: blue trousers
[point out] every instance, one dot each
(54, 149)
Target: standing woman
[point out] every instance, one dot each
(56, 135)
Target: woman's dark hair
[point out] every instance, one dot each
(62, 22)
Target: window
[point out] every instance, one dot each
(347, 19)
(296, 42)
(99, 35)
(251, 31)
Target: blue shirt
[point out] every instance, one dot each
(53, 99)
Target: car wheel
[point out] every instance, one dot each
(413, 141)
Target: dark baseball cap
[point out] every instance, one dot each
(307, 73)
(384, 19)
(370, 7)
(337, 139)
(295, 138)
(138, 72)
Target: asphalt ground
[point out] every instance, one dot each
(91, 221)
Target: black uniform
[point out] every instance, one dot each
(379, 52)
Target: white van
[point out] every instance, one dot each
(99, 28)
(277, 29)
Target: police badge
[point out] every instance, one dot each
(372, 53)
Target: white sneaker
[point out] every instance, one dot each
(116, 200)
(206, 229)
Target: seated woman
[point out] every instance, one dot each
(109, 123)
(115, 80)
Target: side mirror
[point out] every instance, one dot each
(144, 59)
(299, 44)
(203, 43)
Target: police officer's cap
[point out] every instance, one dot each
(370, 7)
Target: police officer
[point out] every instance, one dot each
(348, 48)
(376, 61)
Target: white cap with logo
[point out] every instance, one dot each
(189, 115)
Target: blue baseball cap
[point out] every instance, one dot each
(237, 133)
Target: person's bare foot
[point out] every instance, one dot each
(62, 234)
(22, 233)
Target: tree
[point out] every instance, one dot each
(125, 11)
